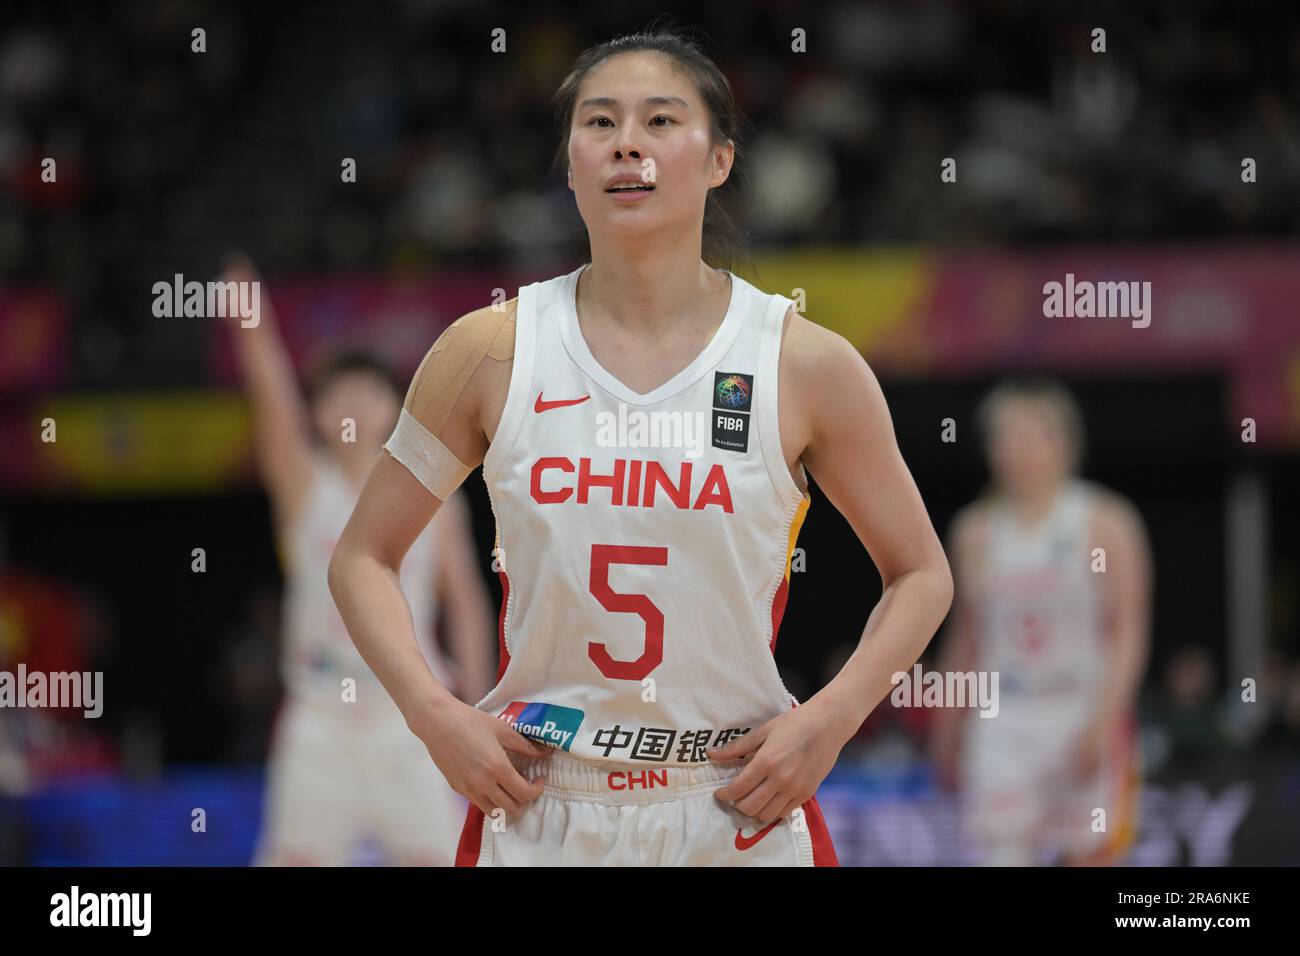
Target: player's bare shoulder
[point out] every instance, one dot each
(809, 350)
(460, 388)
(1115, 520)
(811, 355)
(492, 379)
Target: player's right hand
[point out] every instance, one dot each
(471, 749)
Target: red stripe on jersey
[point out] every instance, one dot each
(503, 653)
(783, 589)
(471, 838)
(822, 847)
(778, 608)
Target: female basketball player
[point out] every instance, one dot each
(648, 488)
(1053, 596)
(343, 766)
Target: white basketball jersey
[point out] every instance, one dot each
(644, 539)
(318, 653)
(1040, 620)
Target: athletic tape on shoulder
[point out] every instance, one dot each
(424, 456)
(449, 366)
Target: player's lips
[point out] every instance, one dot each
(628, 187)
(631, 195)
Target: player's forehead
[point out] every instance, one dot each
(637, 79)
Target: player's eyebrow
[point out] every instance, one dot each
(650, 100)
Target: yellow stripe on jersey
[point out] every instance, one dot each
(795, 525)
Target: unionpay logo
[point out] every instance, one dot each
(547, 723)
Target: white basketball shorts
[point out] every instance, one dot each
(1021, 789)
(343, 773)
(638, 815)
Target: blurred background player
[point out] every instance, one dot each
(1066, 635)
(343, 765)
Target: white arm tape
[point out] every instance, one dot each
(424, 456)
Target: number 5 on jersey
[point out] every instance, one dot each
(602, 556)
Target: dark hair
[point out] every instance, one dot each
(326, 368)
(724, 243)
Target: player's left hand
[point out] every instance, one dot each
(789, 756)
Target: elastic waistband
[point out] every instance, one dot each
(568, 778)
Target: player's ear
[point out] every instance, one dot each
(570, 177)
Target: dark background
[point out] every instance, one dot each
(167, 159)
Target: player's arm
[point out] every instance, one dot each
(462, 594)
(957, 652)
(1126, 588)
(281, 427)
(438, 440)
(440, 437)
(849, 446)
(857, 464)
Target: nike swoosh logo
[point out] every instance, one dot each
(541, 406)
(744, 843)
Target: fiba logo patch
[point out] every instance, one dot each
(733, 396)
(732, 391)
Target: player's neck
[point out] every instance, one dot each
(648, 292)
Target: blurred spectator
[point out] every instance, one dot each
(1052, 139)
(249, 680)
(1184, 709)
(1281, 729)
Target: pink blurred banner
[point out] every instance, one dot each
(1234, 311)
(397, 318)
